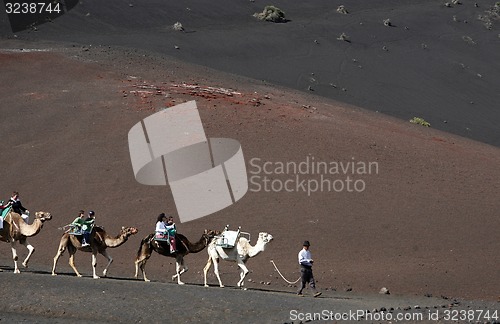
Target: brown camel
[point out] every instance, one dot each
(99, 242)
(184, 247)
(15, 229)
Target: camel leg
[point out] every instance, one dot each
(110, 260)
(216, 271)
(60, 252)
(179, 269)
(31, 249)
(136, 269)
(94, 265)
(62, 247)
(140, 261)
(72, 252)
(205, 270)
(142, 265)
(243, 274)
(14, 255)
(56, 258)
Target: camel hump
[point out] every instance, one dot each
(99, 229)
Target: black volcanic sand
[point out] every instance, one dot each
(426, 223)
(435, 62)
(41, 298)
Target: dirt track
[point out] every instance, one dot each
(38, 297)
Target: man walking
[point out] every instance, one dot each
(306, 274)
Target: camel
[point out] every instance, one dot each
(99, 242)
(15, 229)
(240, 253)
(184, 247)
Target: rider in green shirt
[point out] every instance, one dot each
(87, 226)
(78, 222)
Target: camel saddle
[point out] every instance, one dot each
(161, 237)
(6, 211)
(229, 238)
(75, 231)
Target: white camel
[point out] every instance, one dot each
(240, 253)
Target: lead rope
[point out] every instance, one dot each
(290, 282)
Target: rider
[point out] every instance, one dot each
(17, 206)
(78, 223)
(2, 207)
(165, 228)
(171, 230)
(161, 229)
(87, 226)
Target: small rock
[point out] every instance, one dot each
(384, 291)
(341, 9)
(178, 27)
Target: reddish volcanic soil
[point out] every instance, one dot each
(401, 206)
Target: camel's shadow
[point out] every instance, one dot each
(8, 269)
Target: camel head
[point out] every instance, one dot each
(208, 235)
(127, 231)
(211, 233)
(265, 237)
(43, 216)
